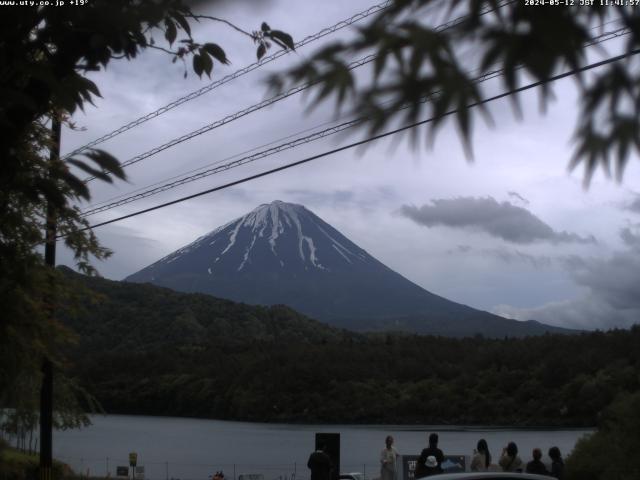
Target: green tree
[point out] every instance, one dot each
(420, 71)
(45, 54)
(610, 453)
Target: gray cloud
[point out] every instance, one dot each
(584, 313)
(505, 255)
(614, 280)
(503, 220)
(613, 298)
(630, 238)
(509, 256)
(519, 197)
(365, 198)
(307, 197)
(634, 206)
(460, 249)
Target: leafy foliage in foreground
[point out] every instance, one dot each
(421, 70)
(15, 465)
(46, 53)
(150, 350)
(612, 452)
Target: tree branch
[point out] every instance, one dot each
(226, 22)
(166, 50)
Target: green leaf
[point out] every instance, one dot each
(94, 172)
(216, 52)
(107, 162)
(78, 187)
(183, 23)
(284, 38)
(262, 49)
(171, 31)
(207, 63)
(198, 65)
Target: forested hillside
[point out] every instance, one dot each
(149, 350)
(119, 316)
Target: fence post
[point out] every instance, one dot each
(234, 471)
(364, 471)
(166, 469)
(294, 470)
(107, 463)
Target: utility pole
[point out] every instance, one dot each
(46, 391)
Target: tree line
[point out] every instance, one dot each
(149, 350)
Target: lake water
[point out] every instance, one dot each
(194, 449)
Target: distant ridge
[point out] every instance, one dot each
(282, 253)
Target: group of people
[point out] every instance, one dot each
(510, 461)
(431, 459)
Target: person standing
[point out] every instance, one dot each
(388, 459)
(509, 460)
(430, 460)
(481, 457)
(557, 465)
(320, 464)
(536, 465)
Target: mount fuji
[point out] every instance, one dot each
(282, 253)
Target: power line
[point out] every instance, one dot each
(93, 205)
(276, 98)
(253, 157)
(369, 139)
(217, 168)
(230, 118)
(226, 79)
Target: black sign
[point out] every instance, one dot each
(122, 471)
(451, 464)
(332, 443)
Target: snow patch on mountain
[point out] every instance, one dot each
(270, 223)
(233, 236)
(246, 253)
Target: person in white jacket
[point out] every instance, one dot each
(481, 457)
(388, 460)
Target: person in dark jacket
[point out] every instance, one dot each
(557, 464)
(320, 464)
(536, 465)
(430, 460)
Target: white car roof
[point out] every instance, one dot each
(489, 476)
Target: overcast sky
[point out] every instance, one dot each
(513, 232)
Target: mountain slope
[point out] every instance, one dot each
(282, 253)
(118, 316)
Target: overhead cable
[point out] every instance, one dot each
(232, 76)
(217, 168)
(367, 140)
(276, 98)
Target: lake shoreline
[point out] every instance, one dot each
(417, 427)
(191, 448)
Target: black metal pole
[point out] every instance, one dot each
(46, 392)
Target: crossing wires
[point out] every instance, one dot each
(228, 78)
(274, 99)
(219, 167)
(372, 138)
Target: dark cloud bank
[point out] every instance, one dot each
(634, 206)
(612, 291)
(611, 284)
(499, 219)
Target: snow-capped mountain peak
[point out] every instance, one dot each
(275, 227)
(282, 253)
